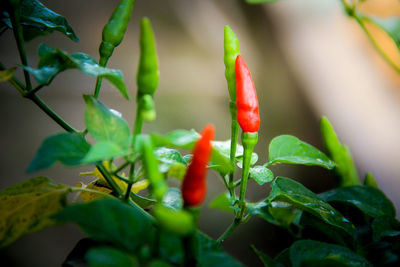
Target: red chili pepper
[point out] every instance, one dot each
(246, 98)
(194, 186)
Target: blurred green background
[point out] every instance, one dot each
(287, 46)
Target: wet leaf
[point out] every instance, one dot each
(261, 174)
(37, 20)
(369, 200)
(289, 149)
(292, 192)
(53, 61)
(305, 252)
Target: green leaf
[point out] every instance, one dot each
(224, 148)
(105, 125)
(345, 168)
(109, 257)
(211, 253)
(53, 61)
(7, 74)
(26, 207)
(305, 252)
(385, 227)
(171, 248)
(68, 148)
(173, 198)
(220, 163)
(259, 1)
(369, 200)
(391, 25)
(222, 202)
(276, 212)
(159, 263)
(292, 192)
(178, 139)
(186, 139)
(217, 258)
(37, 20)
(313, 227)
(110, 220)
(266, 260)
(289, 149)
(172, 162)
(261, 174)
(105, 150)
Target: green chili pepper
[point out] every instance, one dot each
(148, 73)
(114, 30)
(179, 222)
(345, 169)
(370, 180)
(158, 186)
(231, 51)
(147, 109)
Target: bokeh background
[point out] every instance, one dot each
(307, 60)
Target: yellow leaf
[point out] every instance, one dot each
(90, 196)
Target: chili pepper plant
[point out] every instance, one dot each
(131, 215)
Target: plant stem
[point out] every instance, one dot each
(19, 38)
(190, 242)
(137, 129)
(51, 113)
(375, 43)
(130, 181)
(120, 168)
(102, 63)
(249, 140)
(234, 139)
(109, 179)
(231, 228)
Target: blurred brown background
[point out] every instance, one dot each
(307, 60)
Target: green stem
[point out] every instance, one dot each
(234, 139)
(34, 90)
(102, 63)
(231, 228)
(130, 181)
(137, 129)
(120, 168)
(249, 140)
(19, 38)
(51, 113)
(122, 178)
(190, 242)
(109, 179)
(376, 45)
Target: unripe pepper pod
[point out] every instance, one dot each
(148, 73)
(114, 30)
(246, 98)
(194, 186)
(231, 51)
